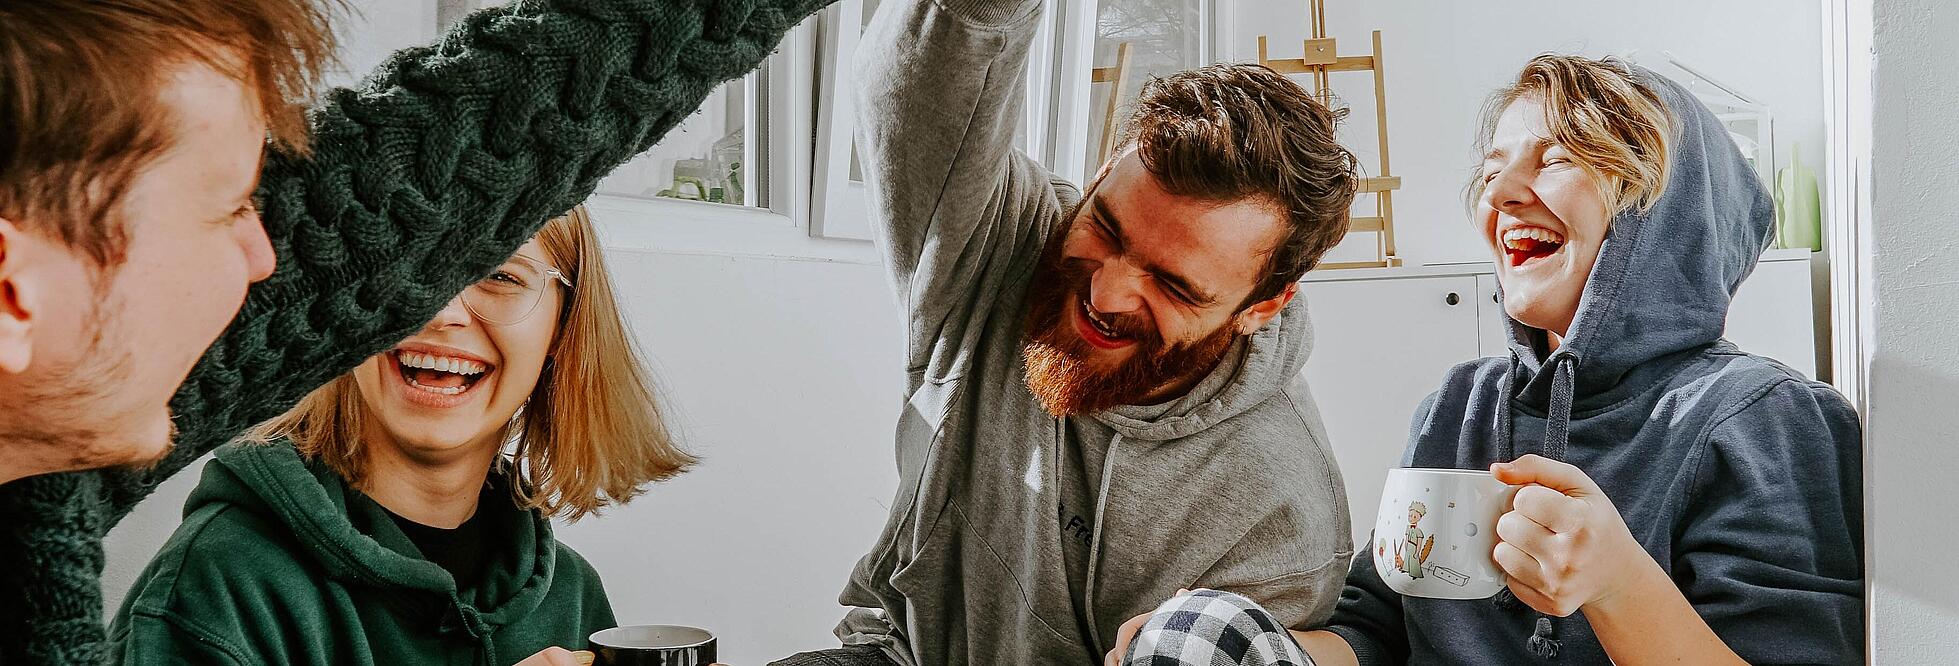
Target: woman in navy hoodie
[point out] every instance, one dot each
(1684, 501)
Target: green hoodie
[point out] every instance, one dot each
(278, 561)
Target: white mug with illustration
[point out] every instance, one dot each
(1436, 532)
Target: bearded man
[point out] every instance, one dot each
(1103, 394)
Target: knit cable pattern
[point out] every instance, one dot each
(423, 179)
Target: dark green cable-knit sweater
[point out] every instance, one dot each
(423, 180)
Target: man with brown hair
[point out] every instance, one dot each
(134, 166)
(128, 234)
(1104, 402)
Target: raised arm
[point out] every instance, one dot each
(958, 209)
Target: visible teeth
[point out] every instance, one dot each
(448, 364)
(1095, 320)
(444, 390)
(1512, 237)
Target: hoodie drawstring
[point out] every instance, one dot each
(1557, 435)
(1504, 397)
(1557, 422)
(462, 617)
(1095, 541)
(1557, 428)
(1543, 641)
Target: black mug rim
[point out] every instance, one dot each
(594, 638)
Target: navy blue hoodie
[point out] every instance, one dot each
(1740, 477)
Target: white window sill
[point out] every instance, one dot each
(692, 227)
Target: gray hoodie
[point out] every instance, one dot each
(1738, 475)
(1017, 537)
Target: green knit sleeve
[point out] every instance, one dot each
(439, 166)
(422, 179)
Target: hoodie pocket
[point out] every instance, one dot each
(958, 583)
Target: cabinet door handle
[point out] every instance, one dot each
(1494, 298)
(1452, 299)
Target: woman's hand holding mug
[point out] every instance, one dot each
(1563, 543)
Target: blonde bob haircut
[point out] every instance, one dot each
(590, 436)
(1615, 126)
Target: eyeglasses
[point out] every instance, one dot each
(510, 294)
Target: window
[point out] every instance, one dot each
(838, 201)
(840, 208)
(721, 154)
(734, 177)
(712, 157)
(1164, 36)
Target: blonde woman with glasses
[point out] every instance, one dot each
(402, 513)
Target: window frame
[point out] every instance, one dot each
(1077, 32)
(840, 207)
(632, 222)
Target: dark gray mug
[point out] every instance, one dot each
(653, 645)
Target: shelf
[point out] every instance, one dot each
(1343, 271)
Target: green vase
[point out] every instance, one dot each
(1798, 205)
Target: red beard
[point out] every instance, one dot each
(1058, 360)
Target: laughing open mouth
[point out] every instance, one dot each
(1101, 326)
(1522, 245)
(441, 375)
(1100, 330)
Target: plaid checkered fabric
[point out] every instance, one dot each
(1212, 628)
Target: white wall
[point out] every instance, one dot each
(1443, 59)
(785, 377)
(1914, 365)
(375, 29)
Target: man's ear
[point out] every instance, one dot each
(1255, 317)
(16, 301)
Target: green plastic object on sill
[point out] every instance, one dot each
(1798, 205)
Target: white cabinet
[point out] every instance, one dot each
(1492, 335)
(1384, 337)
(1773, 315)
(1380, 346)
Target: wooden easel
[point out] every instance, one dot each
(1118, 75)
(1321, 59)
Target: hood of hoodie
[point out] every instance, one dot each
(1251, 370)
(1663, 278)
(357, 544)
